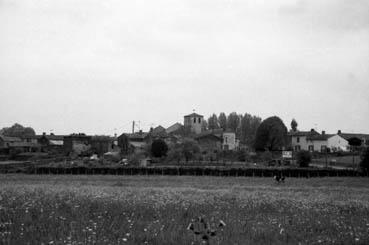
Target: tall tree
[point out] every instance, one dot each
(204, 125)
(233, 121)
(249, 125)
(213, 122)
(222, 119)
(294, 125)
(271, 135)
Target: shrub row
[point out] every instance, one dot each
(197, 171)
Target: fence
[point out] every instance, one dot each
(194, 171)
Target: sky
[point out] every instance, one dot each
(94, 66)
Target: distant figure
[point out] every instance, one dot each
(279, 178)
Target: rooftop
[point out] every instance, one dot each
(194, 115)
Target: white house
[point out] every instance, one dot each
(313, 141)
(229, 141)
(299, 139)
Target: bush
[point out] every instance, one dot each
(303, 158)
(159, 148)
(135, 158)
(174, 155)
(364, 164)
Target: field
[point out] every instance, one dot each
(339, 161)
(159, 209)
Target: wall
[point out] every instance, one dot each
(303, 142)
(338, 142)
(196, 127)
(229, 139)
(317, 144)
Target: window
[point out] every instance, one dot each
(323, 148)
(297, 148)
(298, 140)
(311, 147)
(199, 120)
(194, 120)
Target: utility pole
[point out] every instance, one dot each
(133, 127)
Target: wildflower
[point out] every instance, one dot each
(124, 239)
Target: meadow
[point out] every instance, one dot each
(165, 209)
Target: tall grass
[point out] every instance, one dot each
(158, 210)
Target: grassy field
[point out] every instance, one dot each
(158, 210)
(340, 161)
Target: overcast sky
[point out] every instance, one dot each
(94, 66)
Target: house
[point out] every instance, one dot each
(299, 139)
(15, 144)
(7, 141)
(209, 142)
(30, 138)
(103, 144)
(174, 128)
(158, 132)
(313, 141)
(76, 143)
(134, 142)
(229, 141)
(51, 142)
(193, 122)
(324, 141)
(363, 138)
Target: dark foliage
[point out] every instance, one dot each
(271, 135)
(355, 142)
(123, 143)
(294, 125)
(303, 158)
(159, 148)
(364, 164)
(18, 130)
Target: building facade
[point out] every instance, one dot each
(314, 142)
(229, 141)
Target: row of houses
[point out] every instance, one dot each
(208, 140)
(322, 142)
(66, 144)
(192, 127)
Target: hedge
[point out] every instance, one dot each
(194, 171)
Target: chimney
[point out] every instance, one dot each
(312, 130)
(323, 132)
(43, 133)
(339, 131)
(140, 131)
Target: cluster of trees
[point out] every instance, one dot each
(244, 125)
(17, 130)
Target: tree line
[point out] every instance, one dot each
(244, 125)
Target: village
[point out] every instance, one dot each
(197, 141)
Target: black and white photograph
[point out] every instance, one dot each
(184, 122)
